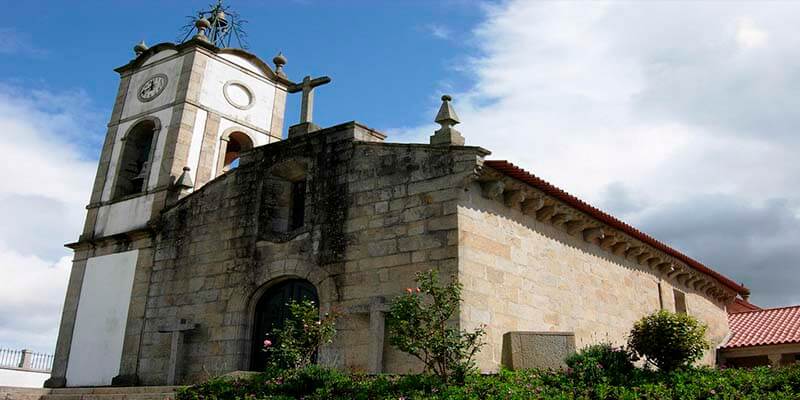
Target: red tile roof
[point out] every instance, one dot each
(741, 305)
(763, 327)
(511, 170)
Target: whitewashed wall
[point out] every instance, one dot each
(124, 216)
(170, 68)
(217, 73)
(96, 349)
(16, 378)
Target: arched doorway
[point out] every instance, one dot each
(271, 312)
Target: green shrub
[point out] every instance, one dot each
(600, 363)
(669, 340)
(303, 333)
(420, 324)
(314, 382)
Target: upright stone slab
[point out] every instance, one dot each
(524, 350)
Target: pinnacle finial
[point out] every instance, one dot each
(184, 181)
(140, 48)
(202, 25)
(279, 61)
(447, 118)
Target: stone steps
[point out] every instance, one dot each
(92, 393)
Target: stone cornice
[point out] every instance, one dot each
(548, 209)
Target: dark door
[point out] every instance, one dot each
(272, 310)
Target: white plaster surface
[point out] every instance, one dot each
(123, 216)
(244, 63)
(97, 339)
(197, 140)
(17, 378)
(217, 73)
(171, 69)
(159, 56)
(165, 116)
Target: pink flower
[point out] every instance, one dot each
(409, 290)
(418, 290)
(267, 343)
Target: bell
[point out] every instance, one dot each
(142, 173)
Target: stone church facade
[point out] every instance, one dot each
(203, 222)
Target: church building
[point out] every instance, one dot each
(204, 221)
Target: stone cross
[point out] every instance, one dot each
(307, 87)
(377, 326)
(376, 309)
(177, 329)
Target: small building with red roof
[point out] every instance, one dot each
(761, 336)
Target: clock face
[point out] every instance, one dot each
(152, 87)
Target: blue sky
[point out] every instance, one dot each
(387, 59)
(677, 117)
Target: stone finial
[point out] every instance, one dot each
(279, 61)
(185, 180)
(140, 48)
(202, 25)
(447, 118)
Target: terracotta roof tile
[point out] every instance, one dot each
(511, 170)
(740, 305)
(763, 327)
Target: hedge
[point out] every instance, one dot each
(693, 383)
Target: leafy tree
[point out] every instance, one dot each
(669, 340)
(303, 333)
(420, 324)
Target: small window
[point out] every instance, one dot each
(298, 205)
(680, 301)
(134, 161)
(284, 197)
(236, 144)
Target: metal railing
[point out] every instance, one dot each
(26, 360)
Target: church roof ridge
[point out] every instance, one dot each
(513, 171)
(141, 57)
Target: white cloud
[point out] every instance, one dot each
(15, 42)
(749, 35)
(42, 198)
(439, 31)
(641, 108)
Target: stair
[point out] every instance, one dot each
(112, 393)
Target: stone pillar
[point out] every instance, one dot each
(25, 360)
(377, 324)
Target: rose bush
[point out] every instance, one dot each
(421, 323)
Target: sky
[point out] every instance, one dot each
(680, 118)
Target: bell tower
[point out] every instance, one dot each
(182, 115)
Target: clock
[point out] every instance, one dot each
(152, 87)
